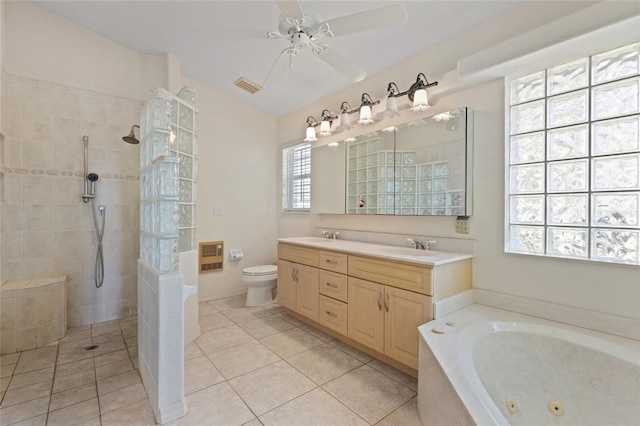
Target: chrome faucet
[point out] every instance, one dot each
(421, 245)
(330, 235)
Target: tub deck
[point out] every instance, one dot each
(450, 391)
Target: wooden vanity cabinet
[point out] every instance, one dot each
(386, 319)
(371, 303)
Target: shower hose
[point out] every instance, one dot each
(98, 275)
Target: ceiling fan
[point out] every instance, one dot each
(305, 30)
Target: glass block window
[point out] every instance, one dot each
(296, 178)
(573, 163)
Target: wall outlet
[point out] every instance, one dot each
(218, 211)
(463, 224)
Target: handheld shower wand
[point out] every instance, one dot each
(89, 178)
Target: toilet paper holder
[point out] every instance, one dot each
(236, 254)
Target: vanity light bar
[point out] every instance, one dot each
(417, 93)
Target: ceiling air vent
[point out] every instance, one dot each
(247, 85)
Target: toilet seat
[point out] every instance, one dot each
(260, 270)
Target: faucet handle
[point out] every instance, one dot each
(429, 244)
(335, 235)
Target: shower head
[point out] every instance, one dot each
(131, 137)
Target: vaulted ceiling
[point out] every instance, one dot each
(219, 41)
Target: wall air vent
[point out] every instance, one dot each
(211, 256)
(247, 85)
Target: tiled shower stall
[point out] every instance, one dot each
(49, 231)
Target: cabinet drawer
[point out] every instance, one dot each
(336, 262)
(333, 285)
(298, 254)
(333, 314)
(396, 274)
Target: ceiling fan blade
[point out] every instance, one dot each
(343, 65)
(291, 8)
(389, 16)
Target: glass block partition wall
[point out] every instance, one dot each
(167, 178)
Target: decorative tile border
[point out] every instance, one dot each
(65, 173)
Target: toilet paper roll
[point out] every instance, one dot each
(236, 254)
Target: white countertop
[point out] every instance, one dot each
(405, 254)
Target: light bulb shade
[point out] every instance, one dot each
(332, 144)
(420, 101)
(365, 115)
(345, 121)
(311, 135)
(325, 128)
(391, 108)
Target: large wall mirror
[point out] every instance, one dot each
(423, 167)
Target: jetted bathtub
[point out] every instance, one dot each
(487, 366)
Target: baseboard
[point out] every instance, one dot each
(222, 294)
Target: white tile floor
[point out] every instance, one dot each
(250, 366)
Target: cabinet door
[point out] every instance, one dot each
(365, 316)
(404, 312)
(286, 284)
(307, 291)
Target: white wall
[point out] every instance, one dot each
(237, 171)
(599, 287)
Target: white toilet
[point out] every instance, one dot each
(261, 280)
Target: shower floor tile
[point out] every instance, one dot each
(251, 366)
